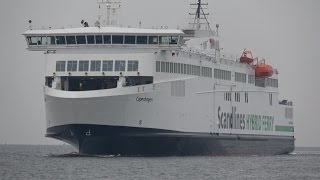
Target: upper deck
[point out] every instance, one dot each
(117, 37)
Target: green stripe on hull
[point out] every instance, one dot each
(285, 128)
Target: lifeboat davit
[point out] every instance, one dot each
(263, 70)
(246, 57)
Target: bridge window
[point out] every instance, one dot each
(117, 39)
(42, 40)
(32, 40)
(71, 40)
(142, 39)
(98, 39)
(173, 40)
(51, 40)
(107, 39)
(60, 66)
(72, 66)
(153, 39)
(81, 40)
(164, 40)
(130, 40)
(133, 65)
(61, 39)
(95, 66)
(120, 65)
(90, 39)
(83, 65)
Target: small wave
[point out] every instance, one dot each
(75, 154)
(305, 153)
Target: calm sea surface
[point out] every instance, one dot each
(55, 162)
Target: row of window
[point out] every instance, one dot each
(180, 68)
(237, 97)
(189, 69)
(227, 96)
(222, 74)
(251, 79)
(96, 65)
(272, 82)
(270, 99)
(240, 77)
(101, 39)
(246, 97)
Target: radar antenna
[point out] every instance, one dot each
(199, 15)
(108, 12)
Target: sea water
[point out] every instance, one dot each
(58, 162)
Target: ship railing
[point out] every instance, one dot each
(225, 58)
(231, 62)
(228, 56)
(50, 28)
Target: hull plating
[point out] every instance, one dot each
(130, 141)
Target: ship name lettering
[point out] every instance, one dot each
(144, 99)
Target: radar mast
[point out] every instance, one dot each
(199, 15)
(108, 12)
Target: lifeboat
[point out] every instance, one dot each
(246, 57)
(263, 70)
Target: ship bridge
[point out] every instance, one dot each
(103, 37)
(93, 58)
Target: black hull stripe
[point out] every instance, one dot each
(131, 141)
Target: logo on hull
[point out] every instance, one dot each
(241, 121)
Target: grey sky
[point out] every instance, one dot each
(285, 33)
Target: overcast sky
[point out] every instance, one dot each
(284, 32)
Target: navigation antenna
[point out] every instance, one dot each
(108, 12)
(200, 15)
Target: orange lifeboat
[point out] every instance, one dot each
(245, 58)
(263, 70)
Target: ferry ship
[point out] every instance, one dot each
(112, 90)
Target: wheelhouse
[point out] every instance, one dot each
(94, 58)
(104, 36)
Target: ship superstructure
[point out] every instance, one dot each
(159, 92)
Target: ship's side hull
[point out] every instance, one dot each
(157, 120)
(132, 141)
